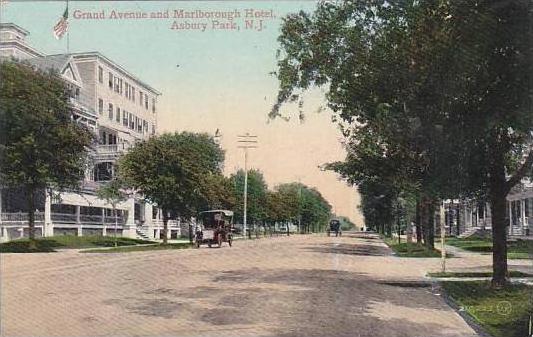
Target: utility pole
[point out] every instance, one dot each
(246, 142)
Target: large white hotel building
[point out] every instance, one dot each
(121, 109)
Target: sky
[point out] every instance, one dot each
(209, 79)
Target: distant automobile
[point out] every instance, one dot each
(335, 227)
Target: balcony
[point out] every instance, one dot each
(110, 152)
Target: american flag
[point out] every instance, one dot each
(61, 26)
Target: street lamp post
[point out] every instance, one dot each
(246, 142)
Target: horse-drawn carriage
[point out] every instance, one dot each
(214, 228)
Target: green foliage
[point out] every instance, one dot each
(218, 192)
(50, 244)
(502, 312)
(112, 192)
(519, 249)
(257, 196)
(304, 205)
(513, 273)
(346, 224)
(412, 249)
(434, 97)
(171, 171)
(40, 145)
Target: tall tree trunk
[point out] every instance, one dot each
(458, 219)
(498, 194)
(431, 225)
(165, 226)
(424, 220)
(31, 215)
(417, 221)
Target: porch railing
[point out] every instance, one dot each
(64, 218)
(21, 217)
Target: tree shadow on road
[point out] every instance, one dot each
(350, 249)
(318, 302)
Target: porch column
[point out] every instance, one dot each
(129, 228)
(511, 217)
(468, 216)
(148, 217)
(48, 229)
(78, 221)
(523, 215)
(104, 229)
(131, 212)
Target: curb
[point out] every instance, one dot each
(456, 307)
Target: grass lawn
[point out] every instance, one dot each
(519, 249)
(413, 249)
(513, 273)
(50, 244)
(503, 313)
(126, 249)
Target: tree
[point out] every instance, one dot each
(218, 191)
(113, 193)
(257, 193)
(381, 85)
(283, 204)
(496, 79)
(305, 205)
(170, 170)
(449, 107)
(40, 145)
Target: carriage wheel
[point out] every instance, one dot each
(219, 240)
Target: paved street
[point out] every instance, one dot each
(298, 286)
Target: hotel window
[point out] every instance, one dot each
(118, 115)
(110, 110)
(133, 93)
(100, 74)
(104, 138)
(145, 127)
(126, 89)
(132, 122)
(153, 129)
(100, 106)
(146, 102)
(117, 89)
(120, 86)
(125, 118)
(141, 98)
(110, 80)
(153, 105)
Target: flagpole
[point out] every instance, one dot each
(68, 35)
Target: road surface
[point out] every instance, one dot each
(309, 285)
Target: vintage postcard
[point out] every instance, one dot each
(266, 168)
